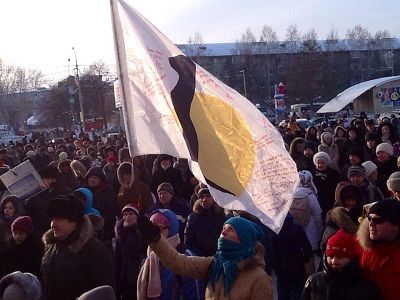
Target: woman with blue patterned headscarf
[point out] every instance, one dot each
(236, 271)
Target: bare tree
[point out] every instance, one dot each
(195, 47)
(332, 40)
(247, 44)
(293, 37)
(383, 40)
(97, 68)
(269, 42)
(310, 42)
(268, 35)
(358, 37)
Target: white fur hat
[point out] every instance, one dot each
(323, 156)
(386, 147)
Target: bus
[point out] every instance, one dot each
(305, 111)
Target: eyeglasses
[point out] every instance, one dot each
(376, 220)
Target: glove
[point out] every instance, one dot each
(147, 230)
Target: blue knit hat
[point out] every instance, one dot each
(173, 223)
(247, 231)
(89, 210)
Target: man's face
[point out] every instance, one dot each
(93, 181)
(357, 180)
(165, 164)
(381, 230)
(62, 228)
(165, 197)
(229, 233)
(337, 262)
(206, 200)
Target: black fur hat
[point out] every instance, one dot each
(66, 206)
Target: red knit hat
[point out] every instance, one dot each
(341, 244)
(23, 223)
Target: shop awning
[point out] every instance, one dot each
(348, 95)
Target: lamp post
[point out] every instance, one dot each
(82, 116)
(244, 82)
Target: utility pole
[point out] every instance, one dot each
(244, 83)
(82, 116)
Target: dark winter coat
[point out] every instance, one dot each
(292, 251)
(25, 257)
(130, 250)
(75, 265)
(385, 169)
(348, 284)
(326, 182)
(203, 229)
(104, 200)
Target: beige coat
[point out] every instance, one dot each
(251, 282)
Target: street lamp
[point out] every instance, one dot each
(82, 116)
(244, 82)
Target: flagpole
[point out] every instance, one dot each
(128, 128)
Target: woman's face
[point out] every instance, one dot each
(328, 139)
(129, 217)
(340, 133)
(299, 147)
(9, 209)
(352, 134)
(350, 203)
(385, 130)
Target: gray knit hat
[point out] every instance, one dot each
(356, 170)
(393, 183)
(166, 186)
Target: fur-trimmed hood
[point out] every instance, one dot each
(85, 234)
(363, 235)
(122, 169)
(342, 219)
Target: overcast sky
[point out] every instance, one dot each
(39, 34)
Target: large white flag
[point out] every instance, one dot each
(173, 106)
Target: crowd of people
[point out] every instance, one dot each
(111, 226)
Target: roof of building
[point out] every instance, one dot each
(227, 49)
(350, 94)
